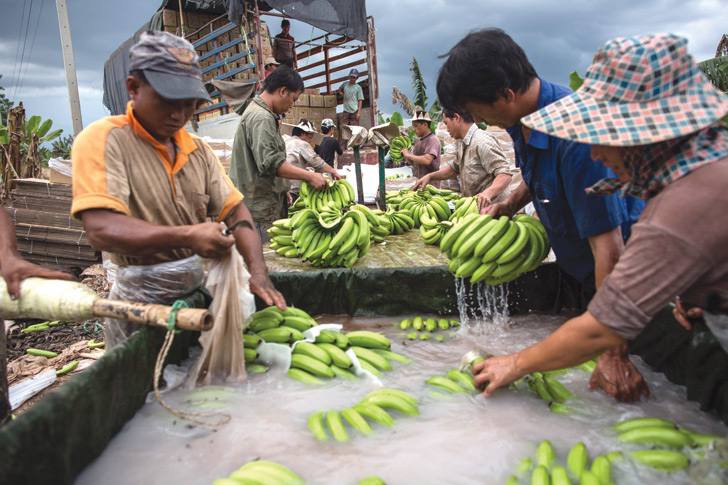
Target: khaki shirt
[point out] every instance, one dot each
(258, 151)
(479, 159)
(301, 154)
(119, 166)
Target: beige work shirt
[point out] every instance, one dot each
(479, 159)
(301, 154)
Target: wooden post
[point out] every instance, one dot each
(12, 165)
(259, 67)
(327, 67)
(70, 65)
(382, 182)
(359, 183)
(372, 65)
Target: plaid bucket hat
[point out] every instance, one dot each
(638, 90)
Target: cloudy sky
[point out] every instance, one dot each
(558, 36)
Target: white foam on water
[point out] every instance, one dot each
(460, 440)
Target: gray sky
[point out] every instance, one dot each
(558, 36)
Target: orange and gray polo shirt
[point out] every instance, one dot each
(119, 166)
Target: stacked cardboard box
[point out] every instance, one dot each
(314, 107)
(45, 231)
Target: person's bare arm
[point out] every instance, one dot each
(358, 109)
(425, 160)
(606, 249)
(500, 183)
(122, 234)
(513, 203)
(247, 242)
(290, 171)
(13, 267)
(577, 341)
(445, 172)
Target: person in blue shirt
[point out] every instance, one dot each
(489, 76)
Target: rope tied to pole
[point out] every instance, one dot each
(210, 420)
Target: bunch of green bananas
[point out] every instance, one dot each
(545, 469)
(263, 472)
(422, 328)
(380, 225)
(276, 326)
(330, 215)
(281, 234)
(422, 203)
(463, 207)
(372, 480)
(662, 433)
(374, 407)
(456, 381)
(401, 220)
(446, 194)
(340, 193)
(297, 206)
(339, 245)
(396, 145)
(327, 356)
(495, 250)
(432, 230)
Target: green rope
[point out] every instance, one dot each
(172, 320)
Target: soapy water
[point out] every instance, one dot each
(486, 307)
(459, 439)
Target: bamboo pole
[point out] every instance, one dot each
(194, 319)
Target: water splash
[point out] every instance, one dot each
(482, 308)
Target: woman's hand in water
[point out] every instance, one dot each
(496, 372)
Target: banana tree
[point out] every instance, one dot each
(420, 96)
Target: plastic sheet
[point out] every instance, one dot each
(162, 283)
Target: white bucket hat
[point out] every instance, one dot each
(306, 126)
(421, 115)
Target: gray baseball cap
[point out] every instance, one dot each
(170, 65)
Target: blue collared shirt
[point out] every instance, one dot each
(557, 171)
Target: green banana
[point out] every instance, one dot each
(369, 367)
(545, 454)
(394, 392)
(389, 355)
(577, 459)
(315, 367)
(373, 480)
(524, 466)
(338, 356)
(275, 472)
(372, 357)
(278, 335)
(405, 324)
(443, 324)
(326, 337)
(264, 323)
(698, 439)
(468, 247)
(615, 456)
(292, 311)
(494, 234)
(462, 379)
(343, 373)
(483, 271)
(390, 401)
(588, 478)
(412, 336)
(425, 336)
(375, 413)
(336, 426)
(343, 234)
(368, 339)
(540, 476)
(299, 323)
(251, 340)
(453, 234)
(256, 368)
(560, 477)
(356, 421)
(313, 351)
(516, 248)
(511, 480)
(250, 355)
(430, 324)
(509, 270)
(502, 244)
(316, 426)
(472, 228)
(634, 423)
(445, 383)
(295, 334)
(557, 390)
(656, 436)
(602, 469)
(342, 341)
(417, 323)
(303, 376)
(468, 267)
(664, 460)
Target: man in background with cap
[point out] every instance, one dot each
(329, 146)
(146, 189)
(425, 154)
(300, 153)
(270, 64)
(353, 99)
(284, 46)
(258, 166)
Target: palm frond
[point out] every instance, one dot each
(418, 84)
(398, 97)
(716, 70)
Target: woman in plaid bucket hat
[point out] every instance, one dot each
(652, 116)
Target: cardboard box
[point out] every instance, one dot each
(316, 101)
(330, 101)
(303, 100)
(59, 178)
(318, 113)
(311, 91)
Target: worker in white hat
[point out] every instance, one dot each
(329, 146)
(270, 64)
(300, 152)
(425, 154)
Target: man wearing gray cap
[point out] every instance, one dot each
(146, 189)
(353, 99)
